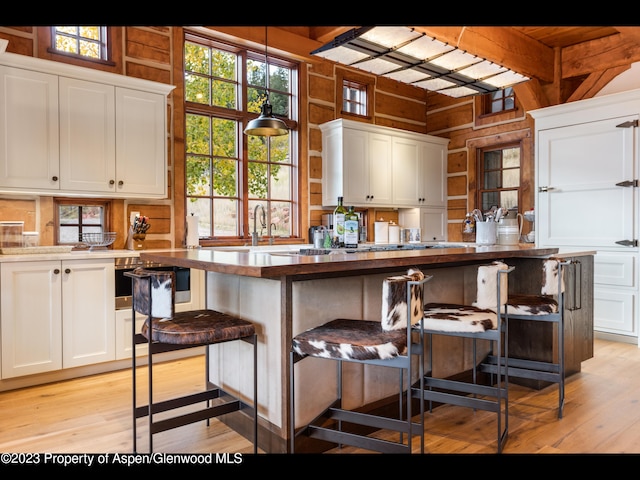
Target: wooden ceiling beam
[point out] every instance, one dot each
(502, 45)
(601, 54)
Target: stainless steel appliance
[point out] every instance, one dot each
(123, 283)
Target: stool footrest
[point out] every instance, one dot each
(521, 368)
(193, 417)
(460, 397)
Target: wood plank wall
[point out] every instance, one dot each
(154, 53)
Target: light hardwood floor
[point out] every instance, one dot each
(92, 414)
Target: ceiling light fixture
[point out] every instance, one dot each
(266, 125)
(408, 56)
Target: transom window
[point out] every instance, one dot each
(499, 177)
(499, 101)
(229, 175)
(73, 218)
(83, 41)
(354, 97)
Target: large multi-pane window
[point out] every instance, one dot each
(499, 177)
(231, 177)
(85, 41)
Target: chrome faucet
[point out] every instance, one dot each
(263, 222)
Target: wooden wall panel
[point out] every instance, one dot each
(146, 44)
(457, 162)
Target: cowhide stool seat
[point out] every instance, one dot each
(166, 330)
(485, 319)
(547, 306)
(386, 342)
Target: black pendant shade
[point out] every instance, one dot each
(266, 125)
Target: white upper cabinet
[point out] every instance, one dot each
(29, 151)
(376, 166)
(141, 139)
(72, 130)
(419, 172)
(356, 165)
(87, 135)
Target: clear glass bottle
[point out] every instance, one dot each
(338, 222)
(351, 231)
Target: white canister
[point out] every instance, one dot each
(486, 233)
(394, 233)
(381, 232)
(509, 230)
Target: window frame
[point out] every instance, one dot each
(106, 204)
(111, 38)
(368, 82)
(481, 188)
(242, 116)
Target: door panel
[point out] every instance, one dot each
(579, 166)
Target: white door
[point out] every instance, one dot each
(406, 172)
(88, 312)
(87, 136)
(30, 312)
(581, 193)
(380, 179)
(29, 153)
(141, 142)
(432, 173)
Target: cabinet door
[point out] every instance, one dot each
(432, 175)
(88, 292)
(31, 321)
(407, 181)
(579, 201)
(380, 179)
(29, 153)
(355, 164)
(433, 223)
(87, 136)
(141, 143)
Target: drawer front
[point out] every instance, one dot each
(614, 311)
(614, 269)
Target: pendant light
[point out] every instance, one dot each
(266, 125)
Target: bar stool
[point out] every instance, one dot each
(388, 343)
(165, 330)
(548, 306)
(485, 319)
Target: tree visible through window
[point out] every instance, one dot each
(227, 173)
(83, 41)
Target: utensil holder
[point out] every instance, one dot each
(135, 241)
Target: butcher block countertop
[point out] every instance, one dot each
(276, 261)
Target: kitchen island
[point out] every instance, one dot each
(285, 293)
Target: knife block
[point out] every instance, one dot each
(135, 241)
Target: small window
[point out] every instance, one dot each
(74, 218)
(90, 42)
(500, 101)
(499, 177)
(354, 97)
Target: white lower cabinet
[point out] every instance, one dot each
(56, 314)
